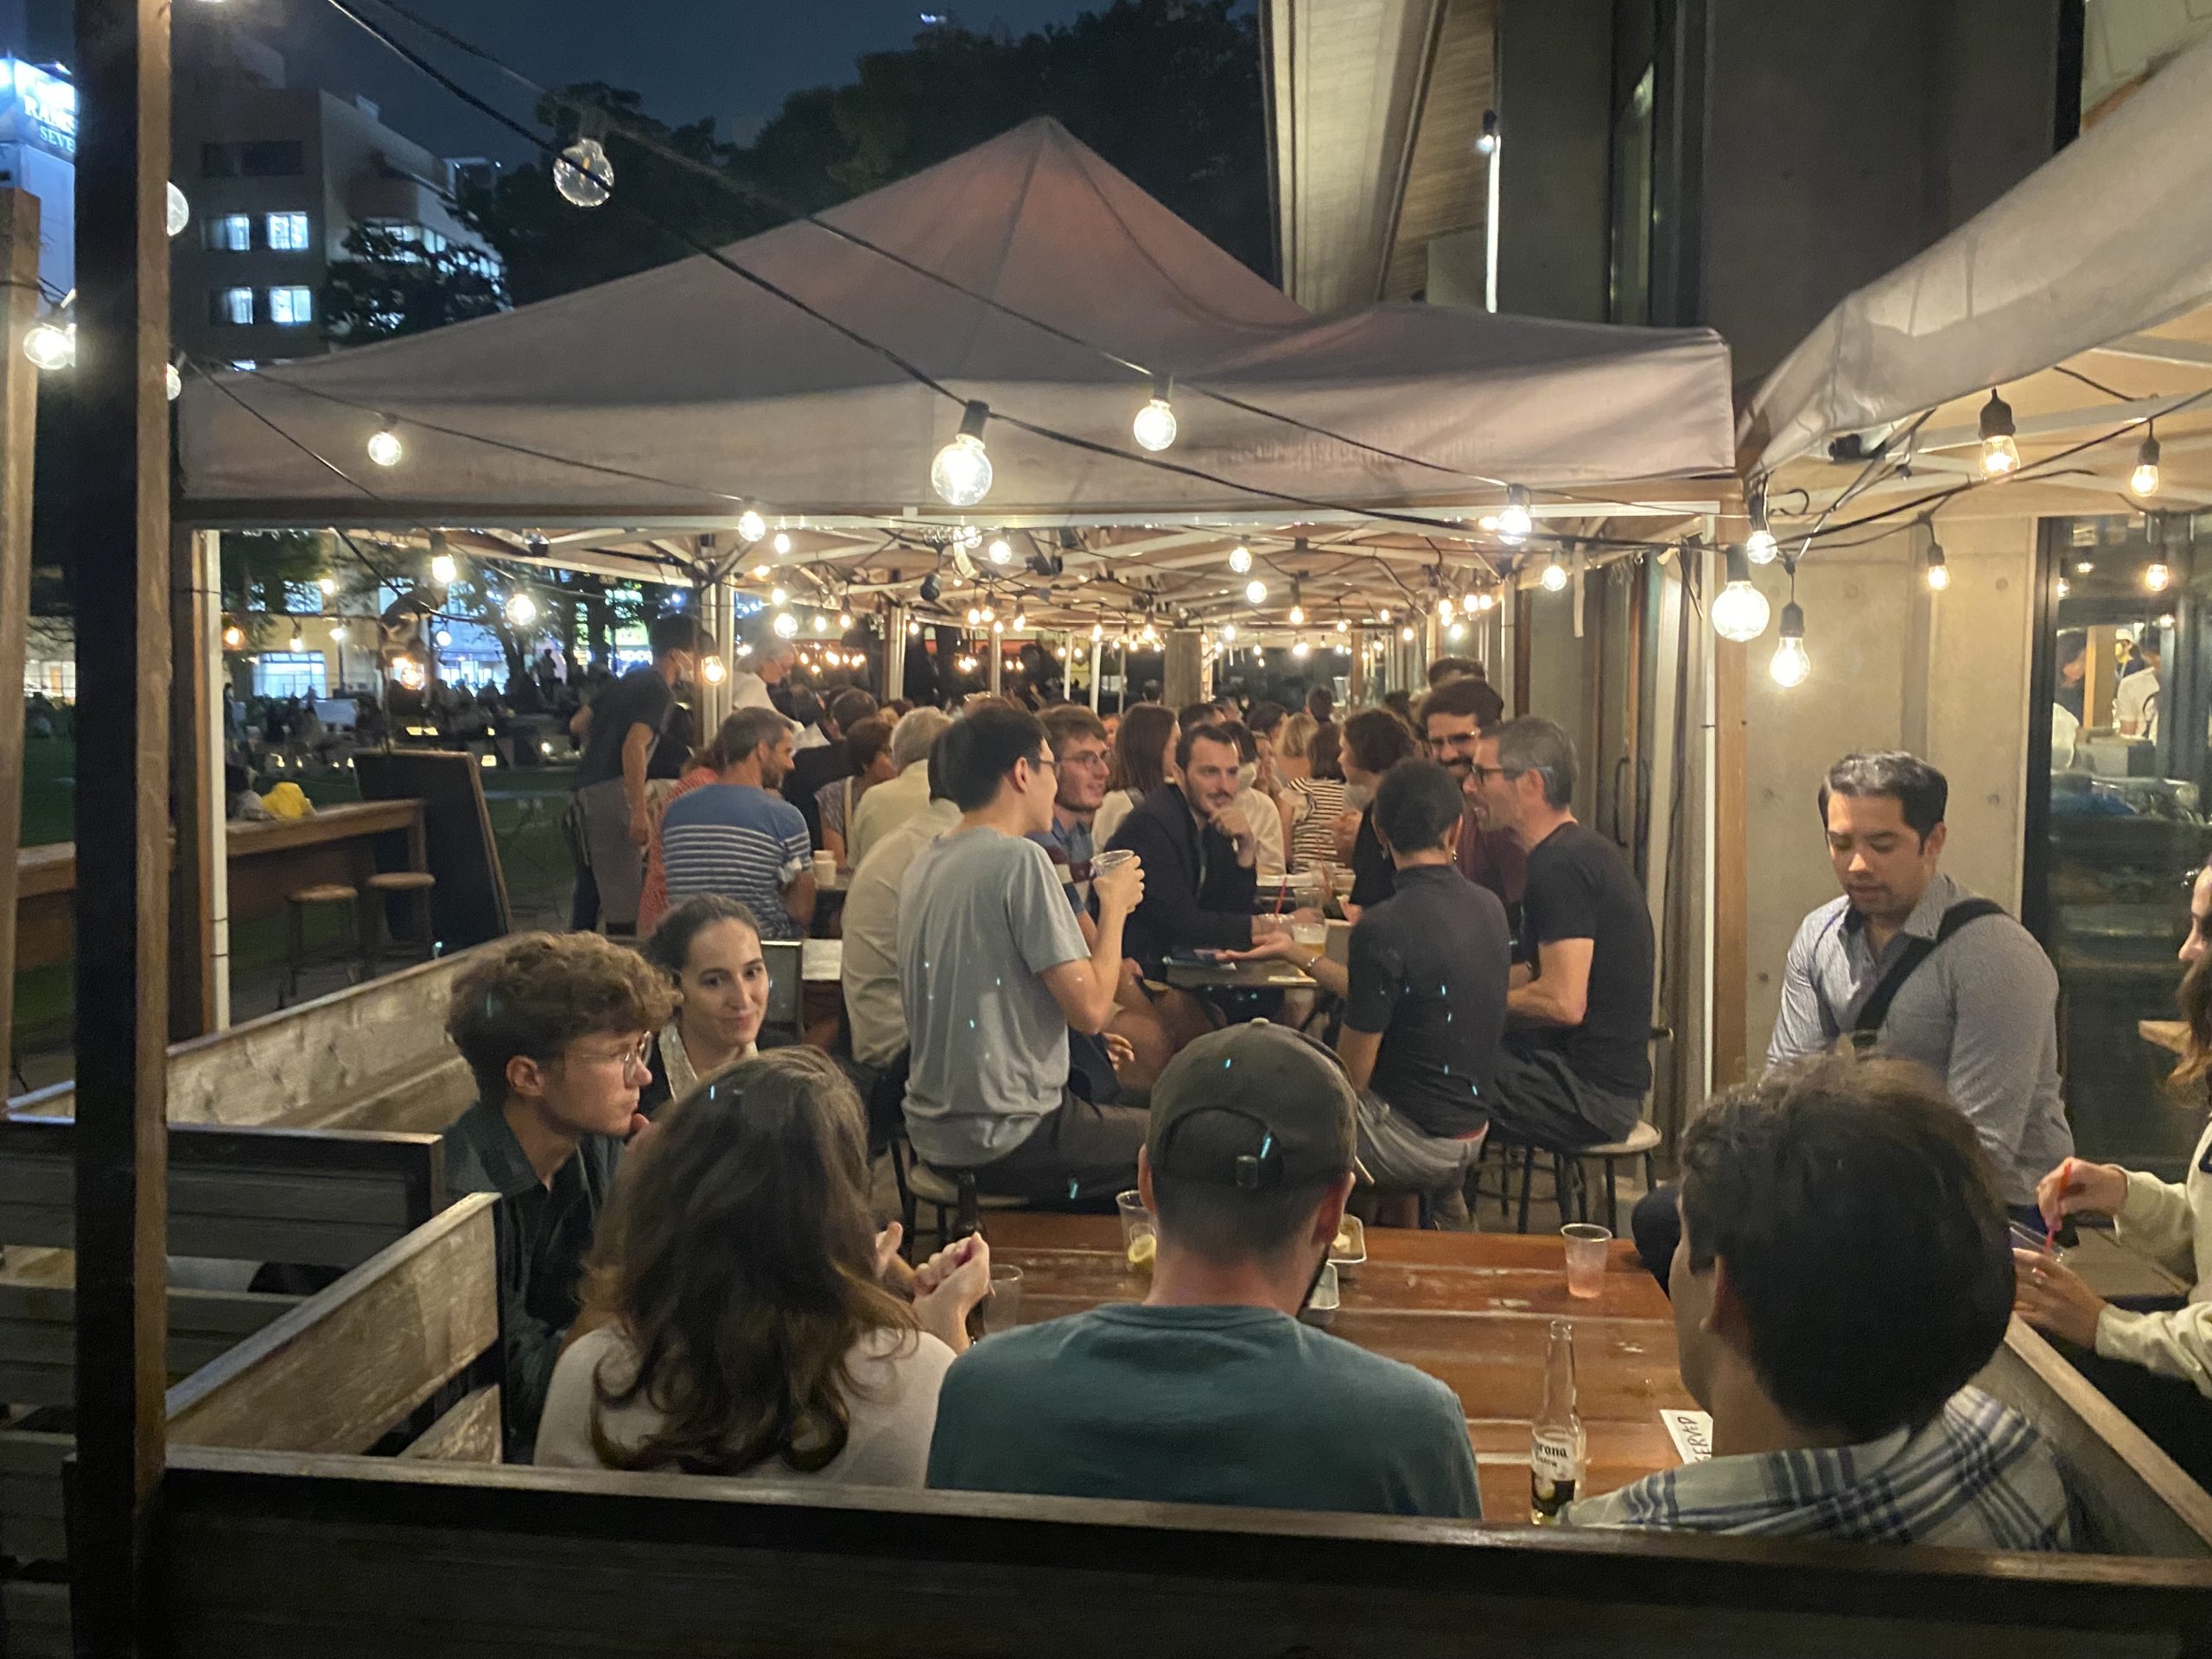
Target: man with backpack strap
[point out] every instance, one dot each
(1910, 964)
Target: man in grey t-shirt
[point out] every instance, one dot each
(993, 972)
(1210, 1391)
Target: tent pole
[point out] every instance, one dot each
(121, 534)
(894, 652)
(1097, 667)
(18, 443)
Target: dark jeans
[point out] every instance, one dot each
(1657, 1226)
(1536, 1100)
(1078, 1151)
(2172, 1412)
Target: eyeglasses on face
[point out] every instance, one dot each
(630, 1054)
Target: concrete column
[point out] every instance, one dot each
(1183, 679)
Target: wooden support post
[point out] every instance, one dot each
(122, 558)
(894, 653)
(1183, 672)
(18, 443)
(195, 704)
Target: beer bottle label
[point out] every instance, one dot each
(1553, 1462)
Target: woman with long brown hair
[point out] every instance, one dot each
(2152, 1356)
(738, 1278)
(1144, 757)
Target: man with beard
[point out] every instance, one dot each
(1199, 853)
(1453, 718)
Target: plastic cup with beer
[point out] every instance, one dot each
(1139, 1234)
(1586, 1245)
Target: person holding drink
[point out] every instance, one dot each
(2150, 1355)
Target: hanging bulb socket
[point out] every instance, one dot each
(1515, 524)
(1760, 546)
(960, 475)
(1154, 426)
(1740, 612)
(2144, 480)
(1790, 664)
(2000, 452)
(1939, 572)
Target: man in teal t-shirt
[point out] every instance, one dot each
(1210, 1391)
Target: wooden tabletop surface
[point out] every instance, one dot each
(1471, 1310)
(1267, 973)
(53, 867)
(2169, 1034)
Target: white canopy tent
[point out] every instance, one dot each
(673, 397)
(2111, 237)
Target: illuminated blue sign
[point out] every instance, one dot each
(49, 102)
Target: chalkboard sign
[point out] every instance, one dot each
(469, 904)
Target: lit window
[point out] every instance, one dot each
(288, 232)
(291, 305)
(233, 307)
(289, 674)
(433, 241)
(232, 233)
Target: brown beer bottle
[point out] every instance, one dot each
(1556, 1450)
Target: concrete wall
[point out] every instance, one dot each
(1894, 666)
(1555, 80)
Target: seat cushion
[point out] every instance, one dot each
(327, 893)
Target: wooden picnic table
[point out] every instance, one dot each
(1267, 975)
(1473, 1310)
(267, 861)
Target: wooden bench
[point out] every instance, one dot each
(408, 1341)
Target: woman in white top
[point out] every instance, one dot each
(737, 1319)
(709, 946)
(2152, 1356)
(1312, 801)
(1144, 759)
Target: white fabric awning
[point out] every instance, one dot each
(2111, 236)
(682, 391)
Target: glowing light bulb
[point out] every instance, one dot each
(2064, 587)
(299, 642)
(328, 584)
(1939, 572)
(751, 525)
(782, 544)
(1384, 613)
(2000, 455)
(960, 475)
(1299, 648)
(1228, 633)
(443, 569)
(2144, 480)
(1739, 610)
(1457, 630)
(914, 629)
(821, 623)
(172, 381)
(1486, 142)
(1515, 521)
(384, 448)
(844, 619)
(1256, 591)
(1154, 426)
(1343, 626)
(1405, 633)
(779, 596)
(337, 634)
(233, 636)
(1297, 616)
(445, 636)
(50, 345)
(712, 671)
(522, 610)
(974, 616)
(1001, 550)
(178, 209)
(1240, 559)
(785, 624)
(998, 627)
(1555, 576)
(1760, 546)
(1790, 664)
(2157, 577)
(1444, 608)
(583, 175)
(989, 614)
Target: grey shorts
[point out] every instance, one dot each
(617, 863)
(1400, 1156)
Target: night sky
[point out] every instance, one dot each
(735, 60)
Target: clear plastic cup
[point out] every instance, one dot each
(1587, 1248)
(1139, 1234)
(1313, 933)
(1002, 1308)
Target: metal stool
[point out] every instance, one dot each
(297, 903)
(415, 886)
(1569, 1179)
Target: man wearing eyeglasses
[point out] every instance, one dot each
(1453, 718)
(554, 1027)
(1576, 1063)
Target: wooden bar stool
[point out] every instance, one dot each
(948, 1192)
(415, 886)
(329, 895)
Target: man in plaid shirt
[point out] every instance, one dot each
(1844, 1269)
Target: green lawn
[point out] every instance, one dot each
(524, 806)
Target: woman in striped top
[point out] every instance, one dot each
(1313, 788)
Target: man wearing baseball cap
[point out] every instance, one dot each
(1210, 1390)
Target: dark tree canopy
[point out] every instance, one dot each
(396, 285)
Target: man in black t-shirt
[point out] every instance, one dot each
(1576, 1063)
(1425, 994)
(620, 730)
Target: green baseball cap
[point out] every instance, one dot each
(1253, 1106)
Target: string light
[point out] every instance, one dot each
(1097, 632)
(1740, 610)
(233, 636)
(914, 629)
(328, 584)
(751, 526)
(51, 344)
(1228, 633)
(974, 616)
(1939, 572)
(299, 640)
(1515, 521)
(1486, 141)
(1001, 550)
(1555, 576)
(1384, 613)
(1298, 648)
(443, 569)
(844, 619)
(1760, 546)
(1240, 559)
(445, 636)
(2157, 577)
(785, 624)
(782, 544)
(779, 596)
(1405, 633)
(1790, 664)
(960, 475)
(384, 448)
(2000, 455)
(712, 670)
(1457, 630)
(583, 175)
(1444, 608)
(2144, 480)
(522, 610)
(821, 623)
(1154, 426)
(1021, 621)
(1256, 591)
(337, 634)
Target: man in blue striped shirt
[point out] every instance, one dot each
(1843, 1273)
(736, 836)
